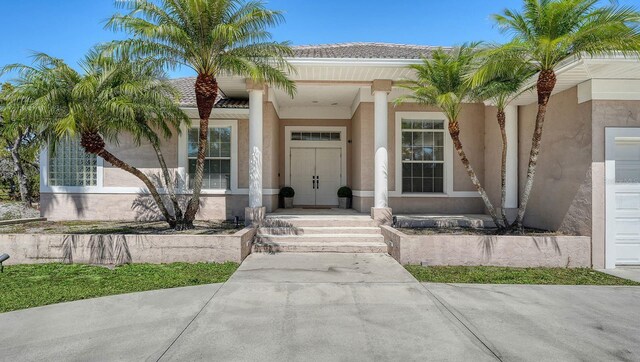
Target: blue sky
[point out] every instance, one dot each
(67, 28)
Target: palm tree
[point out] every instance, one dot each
(212, 37)
(113, 95)
(18, 137)
(442, 81)
(548, 32)
(501, 89)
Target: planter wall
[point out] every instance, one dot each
(118, 249)
(475, 250)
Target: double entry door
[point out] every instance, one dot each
(316, 176)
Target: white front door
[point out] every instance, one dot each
(627, 201)
(316, 176)
(328, 180)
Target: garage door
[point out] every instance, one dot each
(627, 201)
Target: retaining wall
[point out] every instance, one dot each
(119, 249)
(493, 250)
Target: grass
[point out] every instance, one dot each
(502, 275)
(27, 286)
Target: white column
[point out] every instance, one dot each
(511, 127)
(255, 148)
(381, 173)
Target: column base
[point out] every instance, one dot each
(254, 216)
(382, 215)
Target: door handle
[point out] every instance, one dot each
(318, 182)
(314, 182)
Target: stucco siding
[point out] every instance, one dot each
(143, 157)
(561, 194)
(137, 207)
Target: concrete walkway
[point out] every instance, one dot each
(327, 307)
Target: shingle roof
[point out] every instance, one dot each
(363, 50)
(188, 95)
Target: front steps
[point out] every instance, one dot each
(312, 234)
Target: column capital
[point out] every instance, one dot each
(253, 85)
(381, 85)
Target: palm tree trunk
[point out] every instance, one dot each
(502, 118)
(23, 182)
(454, 132)
(177, 211)
(206, 88)
(545, 85)
(115, 161)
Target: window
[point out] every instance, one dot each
(315, 136)
(217, 164)
(627, 160)
(70, 165)
(422, 156)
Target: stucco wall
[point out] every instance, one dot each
(473, 250)
(605, 114)
(138, 207)
(472, 136)
(121, 249)
(143, 157)
(362, 147)
(561, 194)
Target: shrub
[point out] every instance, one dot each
(345, 191)
(287, 192)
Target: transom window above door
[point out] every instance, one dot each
(422, 156)
(315, 136)
(217, 164)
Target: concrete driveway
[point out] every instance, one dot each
(327, 307)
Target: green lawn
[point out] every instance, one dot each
(26, 286)
(501, 275)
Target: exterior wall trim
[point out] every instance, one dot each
(609, 89)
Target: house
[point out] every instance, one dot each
(342, 128)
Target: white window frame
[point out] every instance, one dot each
(183, 155)
(448, 158)
(45, 187)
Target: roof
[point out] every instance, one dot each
(186, 87)
(364, 51)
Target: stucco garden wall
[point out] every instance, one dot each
(119, 249)
(561, 194)
(475, 250)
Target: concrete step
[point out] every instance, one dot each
(326, 238)
(319, 221)
(320, 247)
(311, 230)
